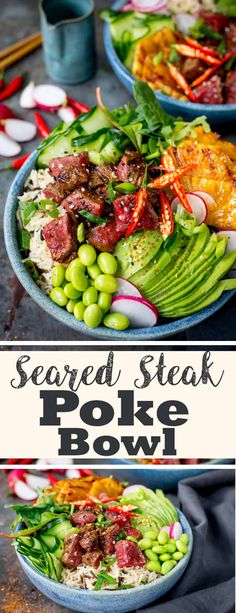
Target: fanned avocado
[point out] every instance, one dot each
(134, 252)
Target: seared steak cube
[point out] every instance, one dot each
(128, 554)
(81, 518)
(89, 540)
(131, 168)
(72, 555)
(93, 558)
(108, 538)
(60, 236)
(58, 165)
(82, 199)
(134, 532)
(56, 191)
(209, 92)
(104, 238)
(101, 175)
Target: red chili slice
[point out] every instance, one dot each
(166, 217)
(141, 199)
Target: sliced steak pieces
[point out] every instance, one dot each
(101, 175)
(73, 177)
(230, 87)
(128, 554)
(215, 21)
(104, 238)
(72, 555)
(131, 168)
(81, 518)
(58, 165)
(60, 236)
(93, 558)
(89, 540)
(209, 92)
(82, 199)
(134, 532)
(56, 191)
(108, 538)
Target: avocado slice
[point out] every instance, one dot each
(155, 267)
(213, 295)
(134, 252)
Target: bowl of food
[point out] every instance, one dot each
(186, 53)
(122, 224)
(123, 548)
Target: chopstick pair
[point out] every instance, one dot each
(13, 53)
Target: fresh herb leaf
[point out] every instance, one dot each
(27, 211)
(93, 218)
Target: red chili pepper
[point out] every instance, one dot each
(53, 480)
(124, 510)
(170, 176)
(12, 87)
(181, 82)
(43, 129)
(188, 51)
(16, 164)
(78, 106)
(82, 504)
(196, 45)
(179, 190)
(206, 75)
(1, 79)
(166, 217)
(141, 199)
(84, 472)
(104, 498)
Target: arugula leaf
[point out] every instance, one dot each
(148, 107)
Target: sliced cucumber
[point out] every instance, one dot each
(51, 542)
(94, 120)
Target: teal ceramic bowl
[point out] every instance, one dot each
(162, 329)
(104, 601)
(215, 113)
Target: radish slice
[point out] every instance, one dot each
(166, 529)
(53, 462)
(176, 530)
(184, 22)
(231, 245)
(148, 5)
(27, 97)
(126, 288)
(72, 473)
(140, 312)
(130, 489)
(208, 199)
(6, 112)
(23, 491)
(36, 481)
(19, 130)
(8, 147)
(17, 474)
(49, 97)
(67, 114)
(197, 204)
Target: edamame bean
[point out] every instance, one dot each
(153, 566)
(184, 538)
(58, 275)
(181, 546)
(116, 321)
(87, 255)
(93, 316)
(150, 534)
(76, 263)
(80, 233)
(106, 283)
(167, 566)
(151, 555)
(177, 555)
(79, 280)
(107, 263)
(93, 271)
(90, 296)
(170, 547)
(164, 557)
(71, 292)
(159, 549)
(104, 301)
(57, 295)
(79, 311)
(71, 305)
(145, 543)
(163, 538)
(91, 282)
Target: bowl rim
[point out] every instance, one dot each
(199, 107)
(182, 565)
(101, 332)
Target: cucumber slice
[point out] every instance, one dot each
(58, 527)
(94, 120)
(51, 542)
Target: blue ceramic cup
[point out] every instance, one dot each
(68, 39)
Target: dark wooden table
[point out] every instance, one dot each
(20, 317)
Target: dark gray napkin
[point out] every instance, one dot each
(207, 586)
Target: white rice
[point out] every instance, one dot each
(38, 251)
(85, 577)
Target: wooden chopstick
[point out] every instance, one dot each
(21, 43)
(21, 52)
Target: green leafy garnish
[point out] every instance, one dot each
(93, 218)
(49, 206)
(111, 192)
(201, 30)
(28, 209)
(24, 239)
(126, 188)
(226, 7)
(102, 578)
